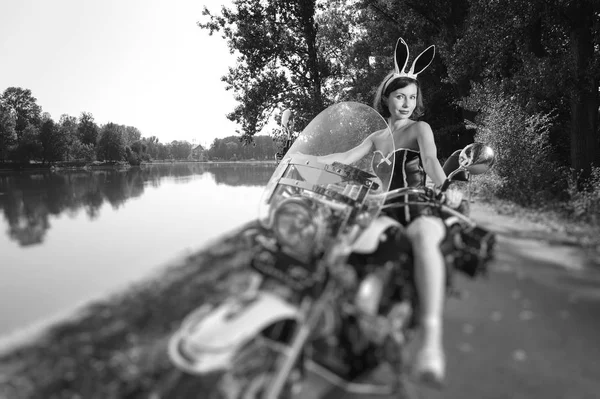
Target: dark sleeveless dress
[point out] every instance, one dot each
(408, 172)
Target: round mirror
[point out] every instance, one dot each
(285, 118)
(477, 158)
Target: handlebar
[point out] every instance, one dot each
(428, 198)
(424, 192)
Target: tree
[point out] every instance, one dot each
(545, 55)
(82, 152)
(8, 135)
(28, 147)
(24, 105)
(68, 129)
(151, 144)
(279, 61)
(87, 129)
(163, 151)
(54, 142)
(132, 134)
(111, 145)
(181, 149)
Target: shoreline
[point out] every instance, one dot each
(4, 167)
(117, 342)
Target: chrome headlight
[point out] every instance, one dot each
(295, 226)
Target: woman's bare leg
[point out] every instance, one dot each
(425, 234)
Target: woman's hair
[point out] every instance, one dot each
(395, 84)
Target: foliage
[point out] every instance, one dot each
(136, 153)
(68, 132)
(73, 139)
(584, 204)
(132, 157)
(151, 144)
(546, 56)
(521, 46)
(281, 61)
(82, 152)
(526, 168)
(87, 129)
(54, 142)
(111, 145)
(28, 146)
(132, 134)
(22, 103)
(8, 135)
(163, 151)
(180, 150)
(229, 148)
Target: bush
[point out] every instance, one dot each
(132, 157)
(585, 204)
(525, 171)
(83, 152)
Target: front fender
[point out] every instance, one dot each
(210, 336)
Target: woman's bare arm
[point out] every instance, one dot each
(428, 150)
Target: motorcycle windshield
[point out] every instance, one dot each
(333, 178)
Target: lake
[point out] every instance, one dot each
(69, 236)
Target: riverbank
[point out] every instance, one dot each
(115, 347)
(9, 167)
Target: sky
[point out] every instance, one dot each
(141, 63)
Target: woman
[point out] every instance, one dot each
(399, 99)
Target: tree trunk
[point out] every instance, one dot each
(584, 98)
(310, 34)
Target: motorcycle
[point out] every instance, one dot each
(329, 289)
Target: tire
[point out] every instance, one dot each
(249, 379)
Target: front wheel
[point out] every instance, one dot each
(254, 368)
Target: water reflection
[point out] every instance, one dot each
(28, 199)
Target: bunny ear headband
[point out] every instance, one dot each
(420, 63)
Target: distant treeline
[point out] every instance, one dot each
(29, 135)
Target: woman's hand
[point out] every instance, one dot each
(453, 198)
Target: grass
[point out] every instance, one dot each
(555, 219)
(116, 348)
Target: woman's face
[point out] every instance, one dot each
(402, 102)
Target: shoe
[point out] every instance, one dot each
(430, 367)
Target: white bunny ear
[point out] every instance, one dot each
(422, 61)
(400, 56)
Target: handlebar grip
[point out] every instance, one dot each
(445, 185)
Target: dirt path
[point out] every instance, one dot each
(529, 330)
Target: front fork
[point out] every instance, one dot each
(312, 312)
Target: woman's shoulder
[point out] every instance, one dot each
(421, 125)
(379, 134)
(422, 128)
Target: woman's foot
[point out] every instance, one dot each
(430, 366)
(430, 361)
